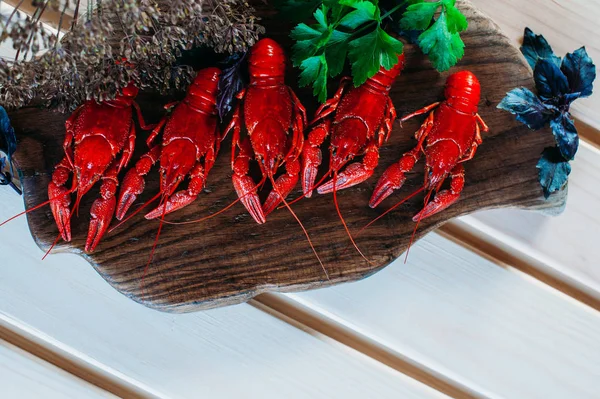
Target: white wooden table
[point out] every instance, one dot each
(501, 304)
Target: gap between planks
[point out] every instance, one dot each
(493, 246)
(319, 325)
(71, 363)
(477, 240)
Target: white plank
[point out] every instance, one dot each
(567, 24)
(493, 330)
(25, 376)
(233, 352)
(567, 243)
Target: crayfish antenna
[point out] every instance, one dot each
(160, 225)
(287, 205)
(339, 212)
(37, 206)
(145, 204)
(416, 192)
(412, 238)
(52, 246)
(260, 183)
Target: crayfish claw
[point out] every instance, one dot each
(133, 185)
(392, 179)
(59, 204)
(102, 212)
(285, 184)
(441, 201)
(246, 191)
(175, 202)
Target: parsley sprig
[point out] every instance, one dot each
(354, 30)
(440, 40)
(345, 28)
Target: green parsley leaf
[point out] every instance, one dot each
(443, 48)
(372, 51)
(441, 40)
(364, 11)
(314, 69)
(335, 55)
(418, 16)
(307, 39)
(457, 22)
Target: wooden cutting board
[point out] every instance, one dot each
(229, 259)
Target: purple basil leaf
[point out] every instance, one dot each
(527, 107)
(9, 139)
(549, 80)
(565, 134)
(570, 97)
(536, 47)
(231, 81)
(554, 170)
(580, 71)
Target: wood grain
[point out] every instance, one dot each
(229, 258)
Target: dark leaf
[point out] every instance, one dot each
(580, 71)
(9, 139)
(536, 47)
(554, 171)
(549, 80)
(232, 80)
(412, 36)
(570, 97)
(297, 10)
(395, 20)
(527, 107)
(565, 134)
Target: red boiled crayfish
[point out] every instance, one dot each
(362, 123)
(99, 132)
(274, 120)
(190, 143)
(449, 136)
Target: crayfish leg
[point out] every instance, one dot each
(103, 209)
(284, 185)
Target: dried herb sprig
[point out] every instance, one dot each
(117, 42)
